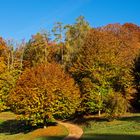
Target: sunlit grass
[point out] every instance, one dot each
(126, 128)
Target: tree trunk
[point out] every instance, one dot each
(99, 113)
(8, 62)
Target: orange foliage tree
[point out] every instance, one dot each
(102, 71)
(43, 93)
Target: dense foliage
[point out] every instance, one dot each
(43, 93)
(75, 70)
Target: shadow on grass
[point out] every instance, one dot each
(86, 121)
(50, 138)
(131, 118)
(56, 138)
(110, 137)
(96, 137)
(15, 127)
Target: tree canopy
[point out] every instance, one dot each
(74, 70)
(45, 92)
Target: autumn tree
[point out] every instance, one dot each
(8, 74)
(102, 64)
(36, 50)
(3, 67)
(3, 52)
(133, 31)
(7, 83)
(43, 93)
(136, 81)
(18, 55)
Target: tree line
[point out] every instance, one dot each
(75, 70)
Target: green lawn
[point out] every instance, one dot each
(126, 128)
(12, 129)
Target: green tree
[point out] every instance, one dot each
(74, 39)
(36, 50)
(58, 32)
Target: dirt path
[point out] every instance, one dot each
(75, 132)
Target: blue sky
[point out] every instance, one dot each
(19, 19)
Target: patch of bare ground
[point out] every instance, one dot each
(75, 132)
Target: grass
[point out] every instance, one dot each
(13, 129)
(125, 128)
(51, 133)
(95, 128)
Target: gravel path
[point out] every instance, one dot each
(75, 132)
